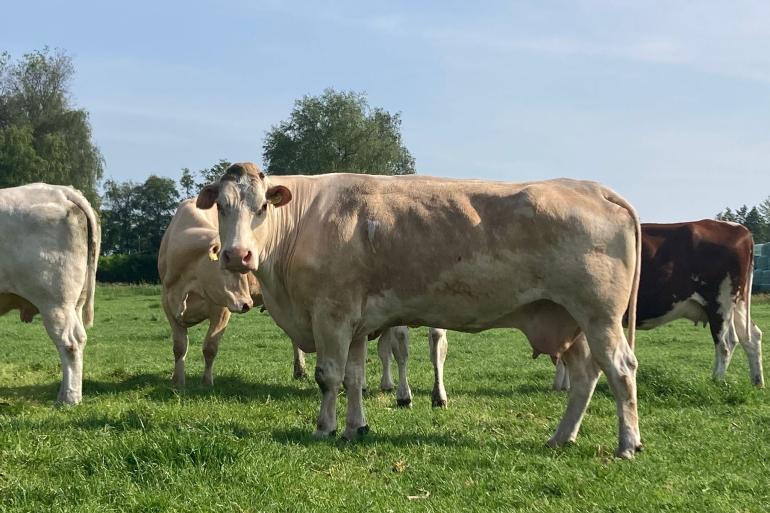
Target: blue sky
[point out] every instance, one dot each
(666, 102)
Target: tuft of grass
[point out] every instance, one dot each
(138, 444)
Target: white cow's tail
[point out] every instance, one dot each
(618, 200)
(94, 244)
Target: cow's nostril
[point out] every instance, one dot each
(247, 258)
(245, 308)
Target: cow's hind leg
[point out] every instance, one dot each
(355, 420)
(614, 356)
(218, 319)
(300, 370)
(401, 353)
(65, 328)
(725, 339)
(751, 341)
(584, 372)
(437, 347)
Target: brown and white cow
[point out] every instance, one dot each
(50, 248)
(195, 288)
(701, 271)
(551, 258)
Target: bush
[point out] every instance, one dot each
(133, 268)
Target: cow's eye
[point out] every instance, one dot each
(264, 207)
(221, 212)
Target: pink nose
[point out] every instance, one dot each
(237, 259)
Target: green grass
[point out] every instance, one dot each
(137, 444)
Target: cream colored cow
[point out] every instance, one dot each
(195, 288)
(553, 259)
(50, 248)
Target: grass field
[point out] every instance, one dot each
(137, 444)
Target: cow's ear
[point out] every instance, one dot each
(278, 195)
(208, 196)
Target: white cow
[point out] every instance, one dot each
(554, 259)
(51, 239)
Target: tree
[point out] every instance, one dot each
(753, 221)
(337, 132)
(43, 137)
(214, 173)
(187, 184)
(134, 216)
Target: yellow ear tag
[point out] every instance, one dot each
(213, 256)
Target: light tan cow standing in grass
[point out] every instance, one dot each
(195, 288)
(50, 248)
(553, 259)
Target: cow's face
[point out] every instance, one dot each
(244, 199)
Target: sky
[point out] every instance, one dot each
(668, 103)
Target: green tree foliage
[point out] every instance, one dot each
(213, 173)
(756, 219)
(43, 137)
(337, 132)
(134, 216)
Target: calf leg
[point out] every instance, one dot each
(355, 420)
(385, 351)
(614, 356)
(437, 346)
(65, 328)
(401, 352)
(584, 373)
(218, 319)
(561, 377)
(300, 371)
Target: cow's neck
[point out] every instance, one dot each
(283, 228)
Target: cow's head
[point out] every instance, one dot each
(244, 198)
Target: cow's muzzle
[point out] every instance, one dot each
(239, 260)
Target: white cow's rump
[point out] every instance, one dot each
(51, 239)
(553, 259)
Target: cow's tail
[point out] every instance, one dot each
(94, 244)
(620, 201)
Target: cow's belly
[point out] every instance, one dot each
(691, 308)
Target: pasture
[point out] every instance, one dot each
(137, 444)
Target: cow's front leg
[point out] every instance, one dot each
(355, 420)
(300, 370)
(331, 358)
(218, 319)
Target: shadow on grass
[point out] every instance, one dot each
(304, 437)
(157, 387)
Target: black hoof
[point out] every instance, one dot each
(404, 403)
(441, 403)
(300, 375)
(333, 434)
(363, 430)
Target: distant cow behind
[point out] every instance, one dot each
(701, 271)
(50, 247)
